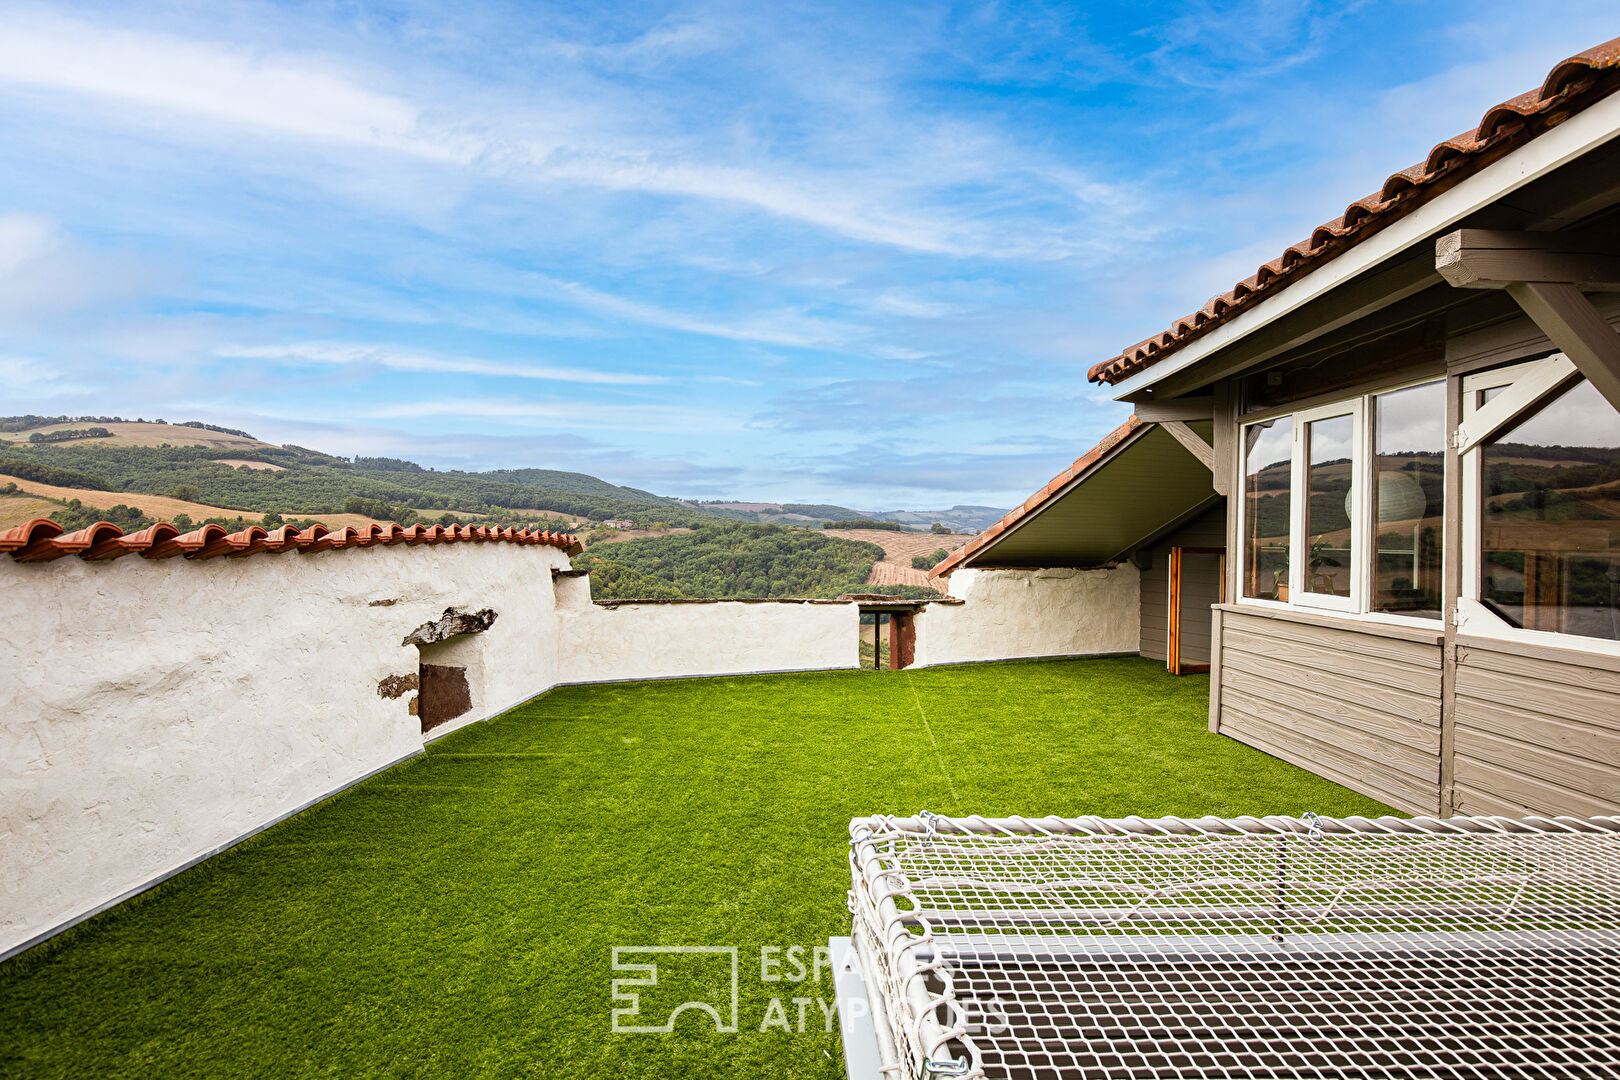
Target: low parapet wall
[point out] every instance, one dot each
(623, 641)
(156, 710)
(153, 711)
(1018, 614)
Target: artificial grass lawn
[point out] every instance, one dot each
(455, 916)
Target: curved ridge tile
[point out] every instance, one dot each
(21, 537)
(42, 540)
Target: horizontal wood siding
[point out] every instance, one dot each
(1349, 702)
(1155, 617)
(1201, 579)
(1536, 733)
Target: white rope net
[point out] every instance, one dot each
(1418, 949)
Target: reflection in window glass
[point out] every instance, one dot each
(1409, 459)
(1330, 547)
(1267, 477)
(1550, 538)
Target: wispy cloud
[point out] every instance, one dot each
(396, 359)
(564, 414)
(44, 273)
(23, 376)
(297, 97)
(790, 252)
(314, 98)
(784, 327)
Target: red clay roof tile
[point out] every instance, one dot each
(42, 540)
(1572, 85)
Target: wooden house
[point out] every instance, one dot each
(1376, 486)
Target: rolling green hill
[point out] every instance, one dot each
(731, 559)
(300, 482)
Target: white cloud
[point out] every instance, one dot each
(293, 96)
(21, 375)
(388, 356)
(778, 328)
(644, 418)
(886, 198)
(44, 273)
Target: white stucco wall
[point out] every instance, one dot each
(1011, 614)
(655, 641)
(151, 711)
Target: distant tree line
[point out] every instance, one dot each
(67, 434)
(41, 473)
(310, 482)
(29, 420)
(731, 560)
(211, 427)
(864, 523)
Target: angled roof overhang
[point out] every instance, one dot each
(1134, 485)
(1381, 250)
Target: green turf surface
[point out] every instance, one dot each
(456, 915)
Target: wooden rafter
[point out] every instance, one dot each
(1195, 444)
(1544, 273)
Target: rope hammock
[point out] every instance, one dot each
(1277, 948)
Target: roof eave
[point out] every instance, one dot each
(1580, 134)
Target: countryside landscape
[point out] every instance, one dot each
(80, 470)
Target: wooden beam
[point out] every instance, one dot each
(1173, 616)
(1225, 433)
(1568, 318)
(1494, 259)
(1199, 407)
(1195, 444)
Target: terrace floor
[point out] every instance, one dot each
(456, 915)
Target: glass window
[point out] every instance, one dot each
(1550, 528)
(1409, 460)
(1267, 501)
(1330, 541)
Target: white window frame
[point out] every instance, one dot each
(1531, 383)
(1359, 603)
(1243, 510)
(1298, 569)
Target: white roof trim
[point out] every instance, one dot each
(1581, 134)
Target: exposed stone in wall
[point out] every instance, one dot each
(396, 685)
(452, 623)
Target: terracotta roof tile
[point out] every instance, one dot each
(42, 540)
(1573, 85)
(1035, 501)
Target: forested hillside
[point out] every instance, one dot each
(301, 482)
(141, 472)
(724, 559)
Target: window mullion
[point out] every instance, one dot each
(1363, 528)
(1297, 544)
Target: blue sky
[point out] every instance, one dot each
(861, 253)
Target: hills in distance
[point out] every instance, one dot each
(207, 472)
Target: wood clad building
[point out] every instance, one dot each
(1413, 461)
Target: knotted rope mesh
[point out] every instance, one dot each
(1418, 949)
